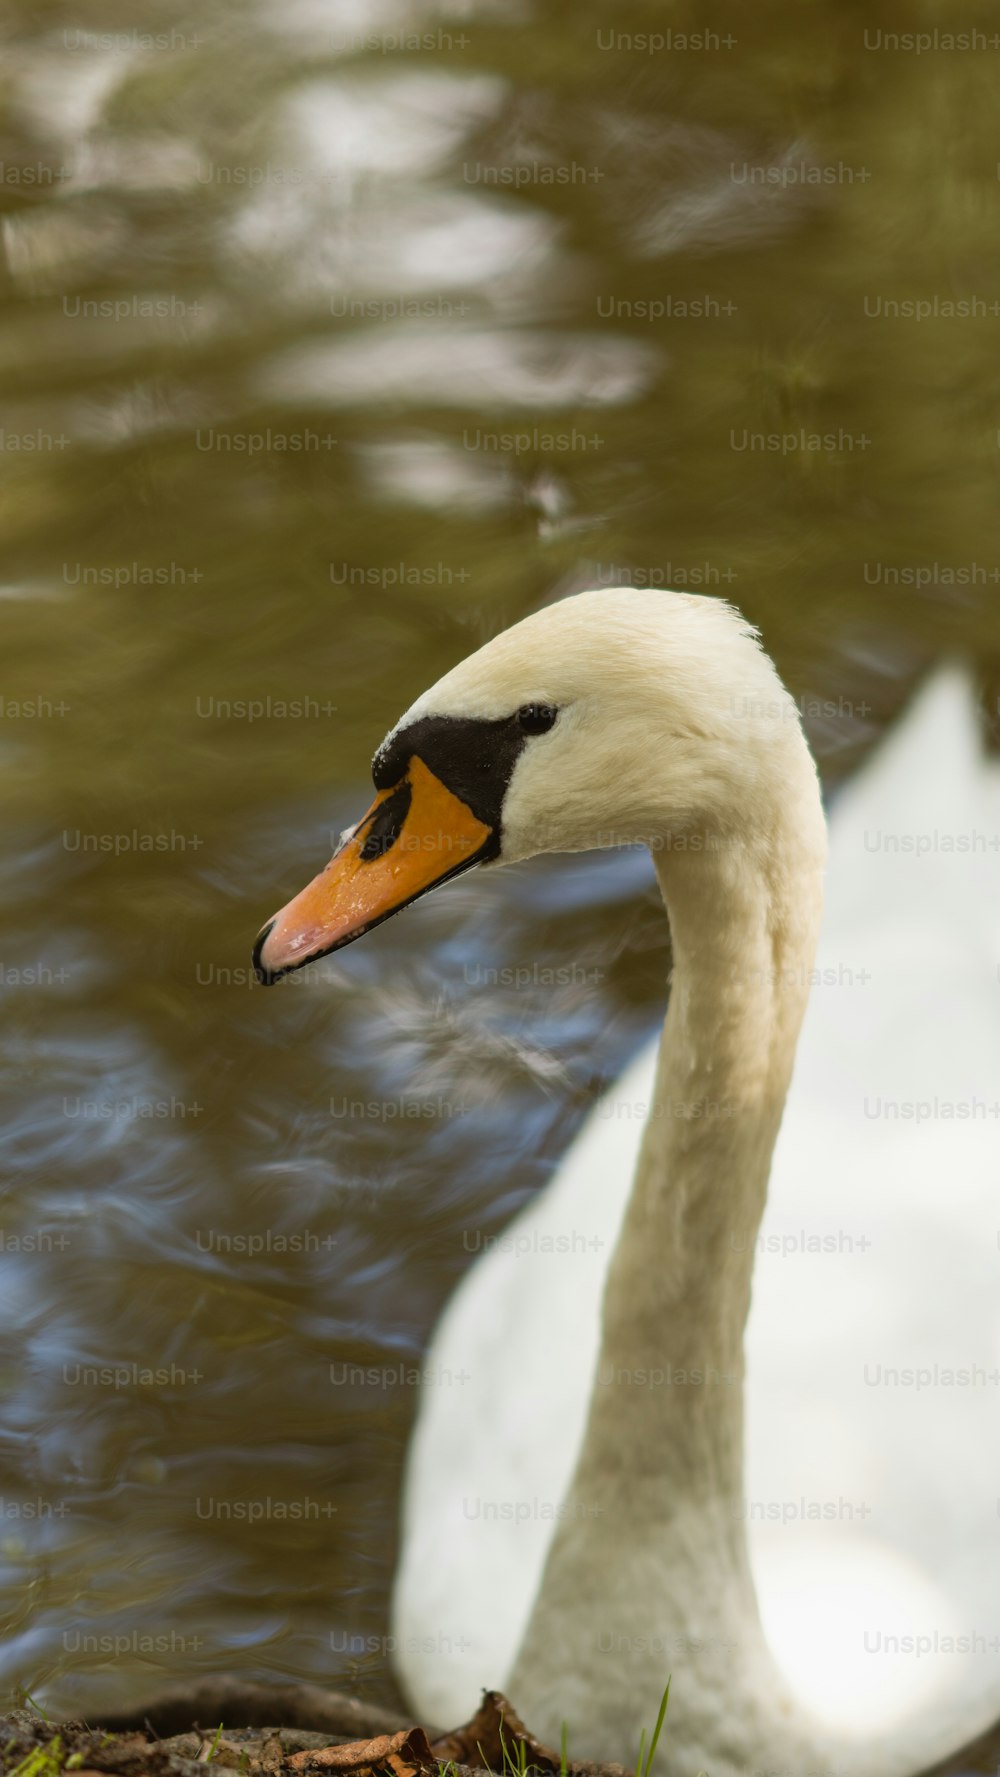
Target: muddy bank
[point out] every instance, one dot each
(322, 1732)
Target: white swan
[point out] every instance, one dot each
(576, 1515)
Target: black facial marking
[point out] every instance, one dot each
(387, 824)
(473, 756)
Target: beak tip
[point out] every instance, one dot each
(267, 977)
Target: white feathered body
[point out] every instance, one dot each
(873, 1347)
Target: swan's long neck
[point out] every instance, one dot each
(648, 1572)
(678, 1293)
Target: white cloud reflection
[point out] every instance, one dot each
(436, 475)
(446, 366)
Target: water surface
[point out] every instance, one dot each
(327, 354)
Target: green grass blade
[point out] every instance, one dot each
(644, 1769)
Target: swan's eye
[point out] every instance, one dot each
(536, 718)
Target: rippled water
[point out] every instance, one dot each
(323, 361)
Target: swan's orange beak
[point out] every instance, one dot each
(413, 837)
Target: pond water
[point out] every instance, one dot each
(337, 338)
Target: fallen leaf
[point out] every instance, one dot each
(495, 1725)
(406, 1754)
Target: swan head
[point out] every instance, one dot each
(616, 716)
